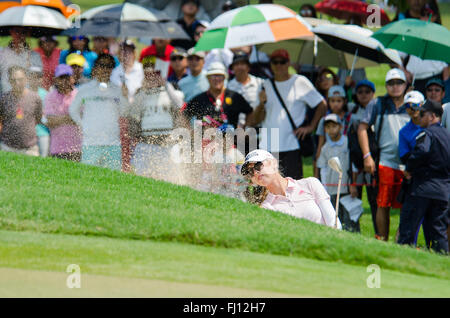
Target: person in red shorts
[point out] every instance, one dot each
(387, 117)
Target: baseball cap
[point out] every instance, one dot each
(127, 43)
(258, 155)
(336, 91)
(63, 69)
(395, 73)
(435, 81)
(216, 68)
(280, 53)
(432, 106)
(191, 52)
(413, 97)
(75, 59)
(178, 51)
(332, 117)
(240, 56)
(367, 83)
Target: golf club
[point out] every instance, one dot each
(335, 164)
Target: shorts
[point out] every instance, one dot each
(390, 183)
(102, 156)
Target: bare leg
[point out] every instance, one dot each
(383, 218)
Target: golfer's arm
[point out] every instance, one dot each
(328, 213)
(363, 138)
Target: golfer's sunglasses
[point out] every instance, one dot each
(250, 171)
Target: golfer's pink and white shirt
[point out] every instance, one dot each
(304, 199)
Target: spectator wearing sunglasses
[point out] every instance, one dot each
(16, 53)
(393, 117)
(407, 135)
(178, 63)
(305, 198)
(97, 108)
(80, 45)
(196, 82)
(428, 168)
(435, 89)
(297, 93)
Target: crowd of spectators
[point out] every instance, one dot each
(112, 107)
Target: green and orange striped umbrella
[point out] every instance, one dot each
(64, 6)
(253, 24)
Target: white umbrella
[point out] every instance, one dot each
(40, 20)
(358, 41)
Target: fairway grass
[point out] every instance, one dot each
(34, 265)
(53, 196)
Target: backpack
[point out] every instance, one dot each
(356, 155)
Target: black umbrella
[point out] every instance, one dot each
(127, 20)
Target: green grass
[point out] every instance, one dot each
(255, 274)
(52, 196)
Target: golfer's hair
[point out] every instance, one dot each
(256, 194)
(16, 68)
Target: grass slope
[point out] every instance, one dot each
(54, 196)
(127, 268)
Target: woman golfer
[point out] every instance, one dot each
(305, 198)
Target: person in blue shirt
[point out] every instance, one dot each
(428, 168)
(80, 45)
(407, 135)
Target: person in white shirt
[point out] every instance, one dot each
(305, 198)
(97, 109)
(129, 74)
(152, 118)
(277, 134)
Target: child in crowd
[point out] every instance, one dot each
(337, 104)
(97, 109)
(337, 146)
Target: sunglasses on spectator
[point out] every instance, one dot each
(193, 58)
(327, 76)
(176, 58)
(278, 62)
(395, 82)
(436, 89)
(363, 91)
(199, 33)
(250, 171)
(413, 106)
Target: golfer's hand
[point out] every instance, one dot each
(303, 131)
(262, 97)
(369, 165)
(353, 191)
